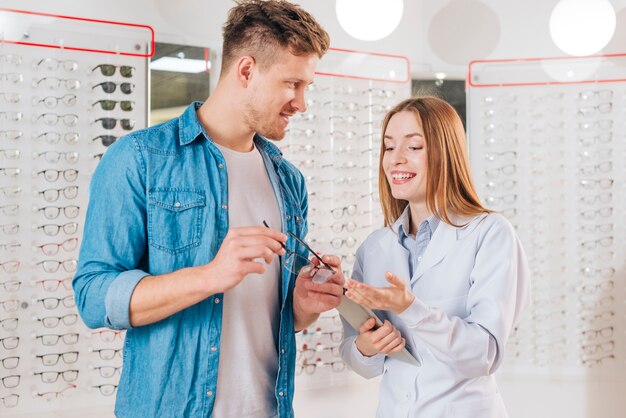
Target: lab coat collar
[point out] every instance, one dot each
(442, 241)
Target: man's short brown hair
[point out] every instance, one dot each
(261, 28)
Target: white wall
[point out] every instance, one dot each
(436, 35)
(498, 29)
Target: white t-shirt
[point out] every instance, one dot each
(248, 363)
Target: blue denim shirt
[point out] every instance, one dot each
(158, 203)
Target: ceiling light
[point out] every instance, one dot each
(369, 20)
(180, 65)
(582, 27)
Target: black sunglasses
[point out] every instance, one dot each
(106, 104)
(106, 140)
(109, 87)
(109, 123)
(109, 69)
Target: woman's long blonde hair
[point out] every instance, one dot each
(449, 186)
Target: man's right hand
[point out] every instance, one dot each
(239, 256)
(386, 339)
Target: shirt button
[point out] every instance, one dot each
(217, 300)
(282, 351)
(209, 393)
(177, 204)
(224, 207)
(214, 349)
(419, 258)
(221, 166)
(288, 217)
(281, 394)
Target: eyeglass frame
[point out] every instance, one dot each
(306, 246)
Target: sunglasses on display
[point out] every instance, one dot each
(125, 105)
(110, 123)
(108, 70)
(109, 87)
(106, 140)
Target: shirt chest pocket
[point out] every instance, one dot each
(175, 218)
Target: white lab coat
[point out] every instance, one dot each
(471, 287)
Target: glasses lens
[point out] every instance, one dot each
(127, 88)
(108, 86)
(295, 262)
(127, 71)
(107, 123)
(321, 274)
(127, 105)
(127, 124)
(106, 69)
(70, 65)
(107, 104)
(106, 140)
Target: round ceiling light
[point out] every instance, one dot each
(582, 27)
(369, 20)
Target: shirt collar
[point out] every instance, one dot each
(402, 225)
(190, 128)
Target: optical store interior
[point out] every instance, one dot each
(540, 86)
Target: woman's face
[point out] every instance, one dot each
(404, 159)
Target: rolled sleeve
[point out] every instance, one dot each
(112, 257)
(117, 300)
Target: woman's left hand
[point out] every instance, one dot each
(395, 298)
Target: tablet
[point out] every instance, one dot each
(356, 314)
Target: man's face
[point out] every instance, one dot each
(277, 93)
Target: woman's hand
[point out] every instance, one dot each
(385, 339)
(395, 298)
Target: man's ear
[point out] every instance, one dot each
(246, 66)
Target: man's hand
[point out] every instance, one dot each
(239, 256)
(310, 299)
(395, 298)
(386, 339)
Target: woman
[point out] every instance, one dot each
(448, 277)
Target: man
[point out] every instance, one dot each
(175, 250)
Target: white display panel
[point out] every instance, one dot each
(336, 145)
(59, 110)
(549, 155)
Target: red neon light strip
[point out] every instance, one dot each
(546, 83)
(408, 67)
(100, 51)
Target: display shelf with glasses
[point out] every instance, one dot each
(547, 146)
(336, 144)
(67, 91)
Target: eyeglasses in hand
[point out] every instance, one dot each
(296, 263)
